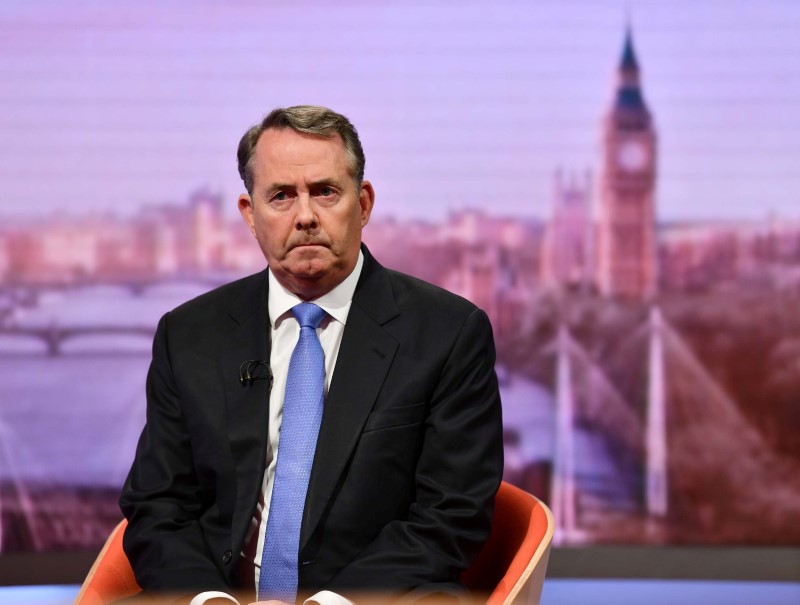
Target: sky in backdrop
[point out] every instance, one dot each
(107, 106)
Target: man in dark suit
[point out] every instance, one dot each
(408, 454)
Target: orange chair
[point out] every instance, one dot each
(111, 576)
(510, 567)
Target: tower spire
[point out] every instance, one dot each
(629, 92)
(628, 61)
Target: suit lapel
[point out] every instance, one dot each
(365, 356)
(246, 337)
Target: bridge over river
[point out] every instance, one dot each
(54, 336)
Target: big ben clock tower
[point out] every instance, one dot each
(626, 214)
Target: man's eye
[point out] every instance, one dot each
(325, 191)
(280, 196)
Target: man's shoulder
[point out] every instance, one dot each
(239, 294)
(425, 308)
(410, 290)
(389, 288)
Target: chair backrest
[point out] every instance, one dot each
(111, 577)
(513, 562)
(511, 565)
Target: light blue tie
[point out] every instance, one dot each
(302, 414)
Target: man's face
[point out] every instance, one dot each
(306, 211)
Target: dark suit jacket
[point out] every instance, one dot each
(408, 458)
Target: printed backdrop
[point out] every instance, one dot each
(616, 182)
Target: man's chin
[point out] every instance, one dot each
(307, 277)
(310, 261)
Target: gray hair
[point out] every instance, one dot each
(308, 119)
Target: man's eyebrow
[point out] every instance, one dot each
(327, 181)
(272, 187)
(277, 186)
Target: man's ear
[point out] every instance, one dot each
(246, 210)
(366, 198)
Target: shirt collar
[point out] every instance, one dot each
(336, 303)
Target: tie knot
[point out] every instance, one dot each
(308, 315)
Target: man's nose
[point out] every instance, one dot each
(305, 218)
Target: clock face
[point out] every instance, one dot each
(632, 156)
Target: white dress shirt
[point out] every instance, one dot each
(284, 333)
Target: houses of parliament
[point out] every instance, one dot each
(614, 252)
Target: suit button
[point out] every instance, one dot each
(226, 558)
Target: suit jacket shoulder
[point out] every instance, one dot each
(385, 293)
(415, 294)
(238, 298)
